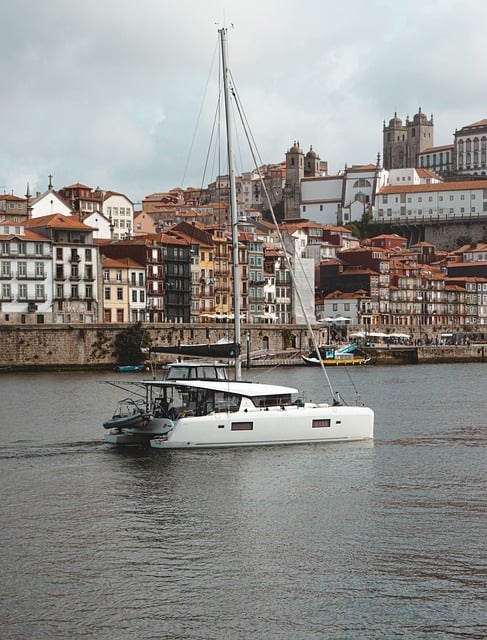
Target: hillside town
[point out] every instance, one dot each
(80, 254)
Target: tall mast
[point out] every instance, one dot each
(233, 200)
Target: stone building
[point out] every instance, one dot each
(402, 143)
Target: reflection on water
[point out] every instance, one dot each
(361, 540)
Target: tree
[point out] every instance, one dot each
(129, 342)
(462, 240)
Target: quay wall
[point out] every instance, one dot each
(429, 354)
(53, 347)
(57, 347)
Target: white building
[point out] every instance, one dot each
(439, 201)
(75, 275)
(25, 275)
(471, 149)
(119, 210)
(343, 198)
(47, 204)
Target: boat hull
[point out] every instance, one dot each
(139, 435)
(274, 426)
(340, 362)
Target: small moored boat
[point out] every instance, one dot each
(349, 354)
(125, 368)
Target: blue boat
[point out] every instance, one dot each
(130, 367)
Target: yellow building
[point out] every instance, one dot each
(124, 296)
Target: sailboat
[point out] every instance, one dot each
(197, 413)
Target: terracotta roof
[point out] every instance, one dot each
(78, 185)
(121, 262)
(365, 167)
(57, 221)
(11, 198)
(480, 123)
(442, 186)
(426, 173)
(434, 149)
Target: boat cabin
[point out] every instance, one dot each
(179, 398)
(197, 371)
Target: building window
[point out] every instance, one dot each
(40, 293)
(107, 293)
(119, 293)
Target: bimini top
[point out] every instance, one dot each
(247, 389)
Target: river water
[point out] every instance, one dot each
(352, 541)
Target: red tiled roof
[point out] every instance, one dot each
(57, 221)
(442, 186)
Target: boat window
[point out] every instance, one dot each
(178, 373)
(242, 426)
(320, 423)
(226, 401)
(272, 401)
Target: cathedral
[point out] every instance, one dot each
(402, 143)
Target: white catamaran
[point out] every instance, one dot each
(198, 406)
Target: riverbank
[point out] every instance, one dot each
(91, 347)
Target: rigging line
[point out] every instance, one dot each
(199, 114)
(334, 395)
(248, 130)
(211, 142)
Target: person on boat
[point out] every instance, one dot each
(161, 407)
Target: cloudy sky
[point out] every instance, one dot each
(114, 94)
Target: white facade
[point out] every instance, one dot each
(437, 159)
(442, 201)
(343, 198)
(341, 308)
(321, 198)
(100, 224)
(471, 149)
(410, 176)
(49, 203)
(118, 209)
(25, 275)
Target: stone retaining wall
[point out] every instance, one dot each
(91, 346)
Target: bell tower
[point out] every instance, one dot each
(294, 175)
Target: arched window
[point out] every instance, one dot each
(361, 182)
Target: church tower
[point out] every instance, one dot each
(420, 137)
(394, 144)
(402, 143)
(294, 175)
(312, 164)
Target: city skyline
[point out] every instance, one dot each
(109, 95)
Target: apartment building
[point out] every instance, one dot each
(26, 293)
(75, 268)
(124, 292)
(438, 201)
